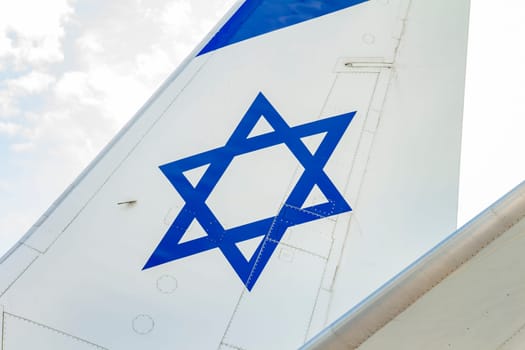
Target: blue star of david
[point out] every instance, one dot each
(273, 228)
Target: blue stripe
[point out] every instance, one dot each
(257, 17)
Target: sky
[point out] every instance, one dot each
(72, 72)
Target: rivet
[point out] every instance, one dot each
(143, 324)
(368, 38)
(167, 284)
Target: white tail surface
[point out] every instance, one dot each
(302, 156)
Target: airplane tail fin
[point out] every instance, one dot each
(304, 154)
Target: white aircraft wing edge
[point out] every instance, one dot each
(367, 318)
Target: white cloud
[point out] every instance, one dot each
(153, 64)
(31, 83)
(31, 31)
(89, 43)
(75, 86)
(177, 15)
(122, 93)
(22, 147)
(9, 128)
(493, 123)
(7, 104)
(4, 186)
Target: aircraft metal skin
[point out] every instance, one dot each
(465, 293)
(304, 154)
(271, 230)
